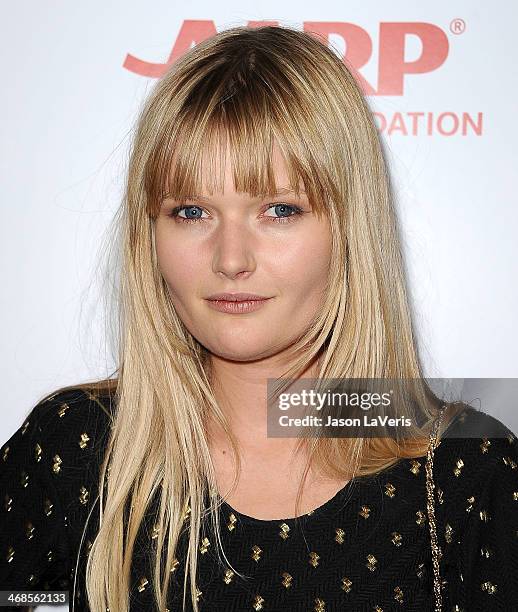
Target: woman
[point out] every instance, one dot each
(256, 168)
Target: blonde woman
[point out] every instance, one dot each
(258, 240)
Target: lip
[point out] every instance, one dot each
(237, 297)
(231, 305)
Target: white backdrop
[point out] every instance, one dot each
(443, 83)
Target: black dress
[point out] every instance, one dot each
(366, 549)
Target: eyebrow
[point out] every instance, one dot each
(281, 191)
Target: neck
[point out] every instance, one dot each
(241, 392)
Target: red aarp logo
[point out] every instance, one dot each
(392, 66)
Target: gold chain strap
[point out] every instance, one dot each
(430, 505)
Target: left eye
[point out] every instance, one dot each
(285, 208)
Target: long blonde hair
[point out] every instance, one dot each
(246, 87)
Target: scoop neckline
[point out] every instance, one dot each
(327, 509)
(329, 506)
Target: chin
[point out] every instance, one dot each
(240, 350)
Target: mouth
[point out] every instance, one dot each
(232, 305)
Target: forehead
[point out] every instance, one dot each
(223, 165)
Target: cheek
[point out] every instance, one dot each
(178, 264)
(303, 264)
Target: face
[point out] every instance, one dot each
(228, 242)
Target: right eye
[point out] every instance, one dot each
(191, 213)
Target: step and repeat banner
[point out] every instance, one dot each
(440, 78)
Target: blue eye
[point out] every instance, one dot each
(190, 212)
(291, 208)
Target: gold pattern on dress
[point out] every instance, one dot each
(485, 516)
(378, 609)
(8, 503)
(440, 496)
(397, 538)
(24, 427)
(398, 594)
(155, 532)
(50, 556)
(62, 409)
(287, 579)
(258, 603)
(83, 440)
(198, 594)
(10, 554)
(186, 511)
(31, 579)
(256, 552)
(313, 559)
(346, 584)
(232, 520)
(227, 578)
(204, 545)
(24, 480)
(174, 564)
(510, 462)
(448, 533)
(390, 489)
(515, 495)
(339, 537)
(421, 517)
(47, 506)
(56, 465)
(37, 452)
(490, 588)
(6, 452)
(420, 571)
(365, 512)
(29, 530)
(414, 466)
(471, 501)
(484, 447)
(143, 582)
(485, 552)
(83, 495)
(371, 562)
(458, 467)
(284, 532)
(320, 605)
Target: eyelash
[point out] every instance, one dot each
(297, 211)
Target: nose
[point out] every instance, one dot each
(234, 247)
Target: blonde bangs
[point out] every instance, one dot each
(241, 115)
